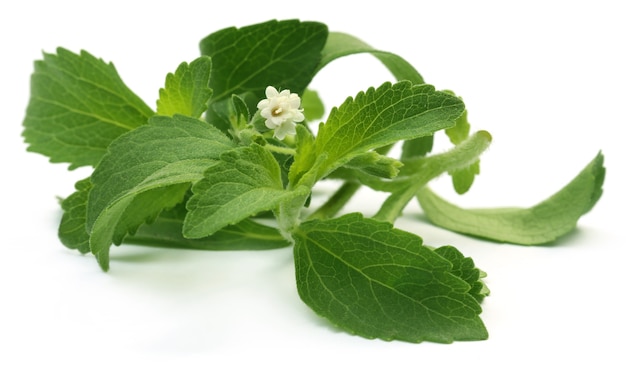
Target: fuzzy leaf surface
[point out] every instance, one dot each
(342, 44)
(245, 182)
(376, 118)
(187, 90)
(375, 164)
(379, 282)
(146, 171)
(167, 231)
(78, 105)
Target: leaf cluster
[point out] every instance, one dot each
(201, 171)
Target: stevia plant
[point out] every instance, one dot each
(231, 145)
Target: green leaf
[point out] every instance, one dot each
(312, 105)
(144, 207)
(305, 156)
(78, 105)
(379, 282)
(462, 179)
(239, 113)
(127, 213)
(342, 44)
(245, 182)
(538, 224)
(167, 230)
(72, 230)
(463, 267)
(283, 54)
(234, 113)
(417, 147)
(460, 131)
(377, 118)
(145, 171)
(186, 91)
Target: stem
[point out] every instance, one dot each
(280, 149)
(288, 213)
(339, 199)
(461, 156)
(336, 202)
(393, 206)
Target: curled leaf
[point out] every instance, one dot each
(538, 224)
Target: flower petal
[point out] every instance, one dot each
(298, 116)
(294, 101)
(271, 92)
(263, 104)
(285, 128)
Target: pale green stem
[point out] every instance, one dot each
(280, 149)
(431, 167)
(336, 202)
(288, 216)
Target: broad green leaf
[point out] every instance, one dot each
(116, 221)
(377, 118)
(186, 91)
(379, 282)
(145, 171)
(245, 182)
(167, 230)
(144, 207)
(538, 224)
(342, 44)
(72, 230)
(78, 105)
(283, 54)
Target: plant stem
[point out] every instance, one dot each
(461, 156)
(336, 202)
(280, 149)
(339, 199)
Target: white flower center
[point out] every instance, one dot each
(277, 111)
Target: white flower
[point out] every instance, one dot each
(281, 111)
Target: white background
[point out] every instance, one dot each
(546, 78)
